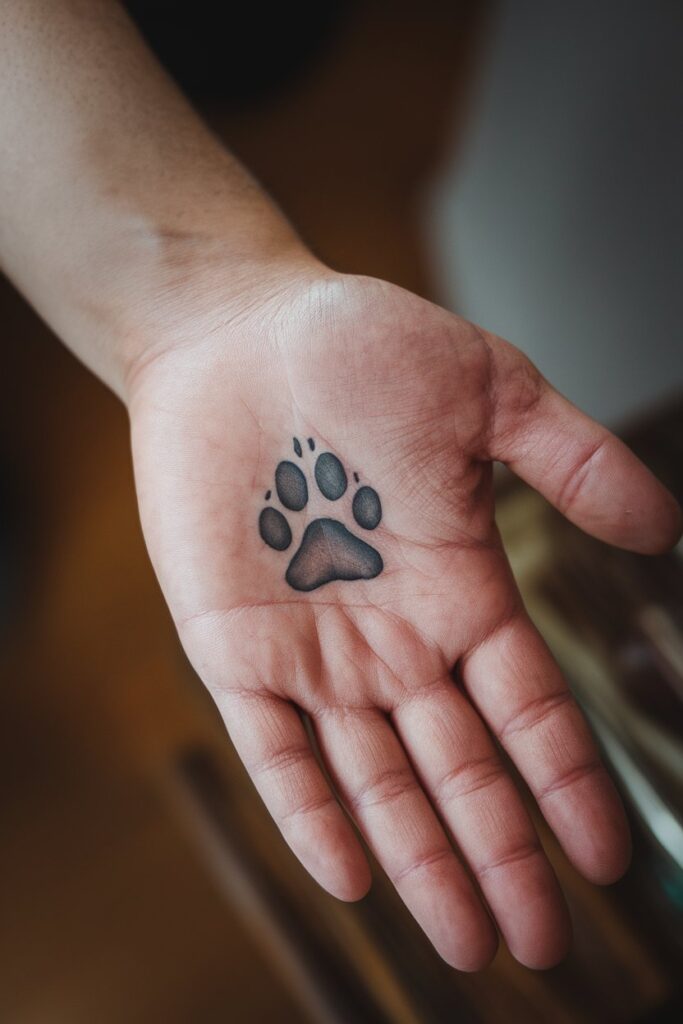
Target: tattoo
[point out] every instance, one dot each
(291, 486)
(328, 550)
(367, 510)
(297, 446)
(274, 529)
(330, 476)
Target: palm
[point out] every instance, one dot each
(416, 403)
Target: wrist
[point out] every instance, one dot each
(205, 291)
(153, 288)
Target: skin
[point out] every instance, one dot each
(183, 287)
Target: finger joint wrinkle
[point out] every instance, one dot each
(569, 778)
(318, 803)
(576, 478)
(385, 788)
(520, 853)
(283, 759)
(535, 712)
(423, 863)
(469, 777)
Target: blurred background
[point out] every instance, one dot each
(519, 162)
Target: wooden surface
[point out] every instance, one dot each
(144, 881)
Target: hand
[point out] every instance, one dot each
(411, 405)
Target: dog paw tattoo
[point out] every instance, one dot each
(328, 550)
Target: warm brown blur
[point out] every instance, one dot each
(144, 881)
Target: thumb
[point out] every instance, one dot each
(578, 465)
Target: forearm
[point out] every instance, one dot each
(111, 187)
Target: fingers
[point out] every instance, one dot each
(379, 786)
(272, 742)
(519, 690)
(477, 799)
(579, 466)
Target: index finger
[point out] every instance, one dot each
(521, 693)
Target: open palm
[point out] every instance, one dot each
(315, 488)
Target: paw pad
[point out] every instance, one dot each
(328, 550)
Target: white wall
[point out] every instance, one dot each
(559, 225)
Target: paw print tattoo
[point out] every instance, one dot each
(328, 550)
